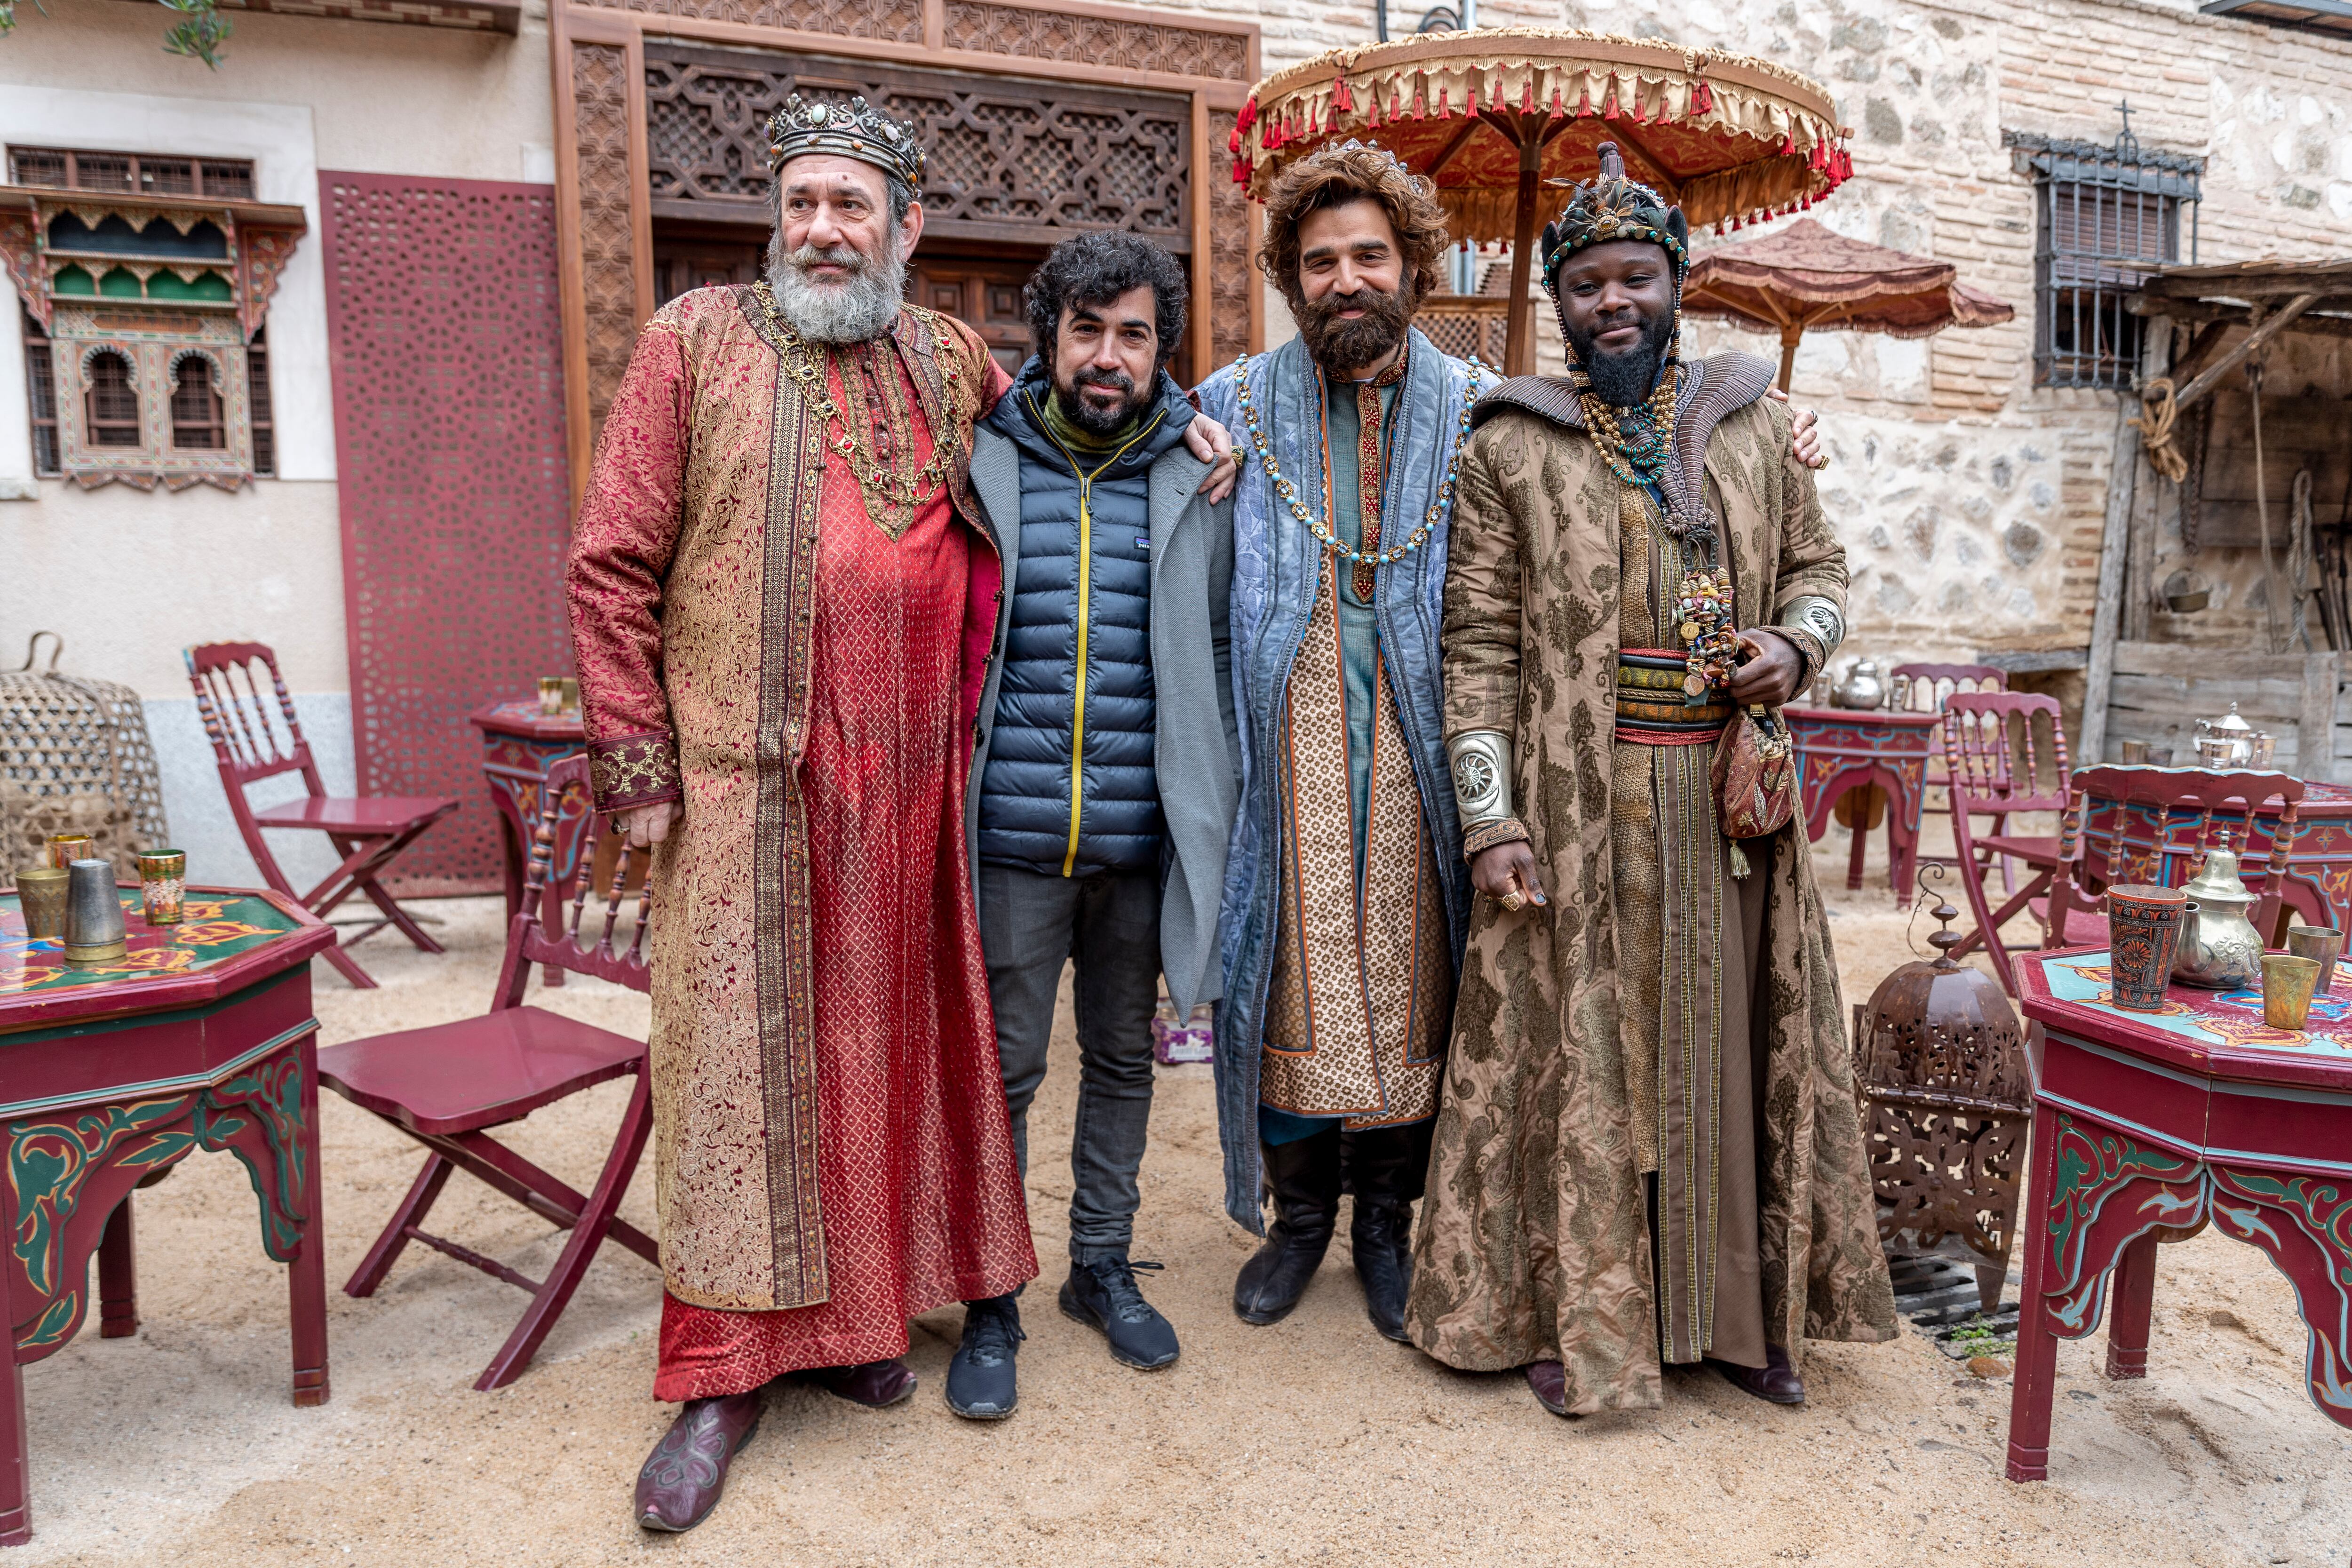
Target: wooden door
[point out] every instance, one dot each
(680, 264)
(984, 291)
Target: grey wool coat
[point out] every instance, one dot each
(1196, 747)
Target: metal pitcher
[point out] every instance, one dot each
(1862, 687)
(2227, 741)
(2219, 949)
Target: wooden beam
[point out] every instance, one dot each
(2273, 325)
(1445, 154)
(2201, 347)
(2255, 285)
(2106, 617)
(2310, 322)
(1204, 355)
(2314, 755)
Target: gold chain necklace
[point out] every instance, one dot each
(886, 487)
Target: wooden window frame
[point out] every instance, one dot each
(205, 176)
(41, 395)
(92, 426)
(212, 429)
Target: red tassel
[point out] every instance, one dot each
(1702, 96)
(1248, 116)
(1341, 97)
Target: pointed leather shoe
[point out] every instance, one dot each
(1381, 1237)
(1775, 1381)
(687, 1472)
(983, 1377)
(1103, 1294)
(1548, 1381)
(876, 1384)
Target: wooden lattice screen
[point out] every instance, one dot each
(1042, 119)
(448, 350)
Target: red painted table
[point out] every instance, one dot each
(2159, 846)
(2150, 1126)
(517, 743)
(201, 1038)
(1843, 748)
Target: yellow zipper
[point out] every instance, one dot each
(1085, 603)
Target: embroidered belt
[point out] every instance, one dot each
(1650, 707)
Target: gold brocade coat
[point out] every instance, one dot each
(1535, 1242)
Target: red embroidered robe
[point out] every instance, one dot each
(799, 669)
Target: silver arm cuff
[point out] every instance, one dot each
(1820, 625)
(1481, 760)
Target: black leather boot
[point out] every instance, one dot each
(1385, 1167)
(1304, 1176)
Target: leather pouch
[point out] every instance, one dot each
(1755, 775)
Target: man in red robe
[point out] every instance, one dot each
(782, 600)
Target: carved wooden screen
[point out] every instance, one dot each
(447, 346)
(1010, 160)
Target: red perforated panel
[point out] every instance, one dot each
(448, 372)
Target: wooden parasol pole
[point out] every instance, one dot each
(1790, 334)
(1520, 340)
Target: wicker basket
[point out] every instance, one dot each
(75, 757)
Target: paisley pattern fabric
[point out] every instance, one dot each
(830, 1131)
(1535, 1244)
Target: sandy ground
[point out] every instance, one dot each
(1311, 1441)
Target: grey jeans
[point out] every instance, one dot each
(1109, 922)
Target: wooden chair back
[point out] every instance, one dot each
(2169, 790)
(611, 943)
(252, 738)
(1994, 749)
(1939, 682)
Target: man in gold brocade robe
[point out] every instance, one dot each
(1649, 1150)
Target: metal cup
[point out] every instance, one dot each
(2287, 980)
(162, 885)
(65, 848)
(569, 687)
(94, 927)
(2145, 926)
(2323, 944)
(41, 898)
(550, 696)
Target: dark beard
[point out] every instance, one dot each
(1627, 378)
(1086, 415)
(1344, 346)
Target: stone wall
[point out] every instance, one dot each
(1971, 500)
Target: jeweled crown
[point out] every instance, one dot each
(854, 130)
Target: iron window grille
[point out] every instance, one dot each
(2104, 217)
(41, 380)
(256, 391)
(199, 424)
(111, 407)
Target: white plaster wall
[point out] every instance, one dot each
(128, 578)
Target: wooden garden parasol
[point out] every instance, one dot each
(1491, 115)
(1805, 277)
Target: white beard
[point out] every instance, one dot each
(855, 310)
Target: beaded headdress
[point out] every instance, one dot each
(1614, 207)
(854, 130)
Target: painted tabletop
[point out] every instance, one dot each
(230, 938)
(2219, 1032)
(525, 719)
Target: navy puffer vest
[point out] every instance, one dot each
(1078, 660)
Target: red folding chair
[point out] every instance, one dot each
(448, 1085)
(368, 831)
(1991, 742)
(2097, 847)
(1933, 685)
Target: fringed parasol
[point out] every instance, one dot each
(1490, 115)
(1806, 276)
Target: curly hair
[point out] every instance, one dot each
(1093, 269)
(1334, 176)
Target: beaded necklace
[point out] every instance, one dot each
(886, 487)
(1321, 528)
(1638, 451)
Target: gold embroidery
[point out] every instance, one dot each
(634, 770)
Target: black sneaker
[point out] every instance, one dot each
(1102, 1293)
(981, 1378)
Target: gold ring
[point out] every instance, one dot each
(1513, 900)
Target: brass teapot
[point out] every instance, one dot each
(2219, 949)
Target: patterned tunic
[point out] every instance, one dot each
(800, 665)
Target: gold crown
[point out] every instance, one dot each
(854, 130)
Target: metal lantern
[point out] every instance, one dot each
(1946, 1099)
(75, 757)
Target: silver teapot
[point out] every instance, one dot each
(2219, 949)
(1862, 687)
(2227, 741)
